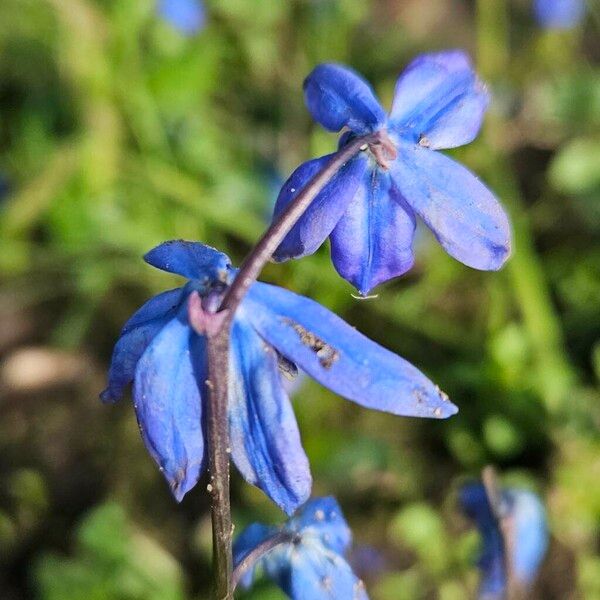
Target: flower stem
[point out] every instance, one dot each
(268, 243)
(218, 362)
(218, 462)
(250, 559)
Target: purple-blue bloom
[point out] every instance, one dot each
(310, 562)
(528, 532)
(559, 14)
(188, 16)
(369, 209)
(4, 187)
(274, 331)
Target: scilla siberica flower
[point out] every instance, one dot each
(273, 331)
(368, 210)
(309, 563)
(188, 16)
(529, 537)
(559, 14)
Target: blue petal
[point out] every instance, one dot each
(136, 334)
(463, 214)
(188, 16)
(373, 240)
(264, 437)
(559, 14)
(250, 538)
(339, 357)
(164, 304)
(310, 564)
(312, 571)
(439, 100)
(338, 97)
(474, 501)
(168, 404)
(325, 211)
(190, 259)
(530, 531)
(460, 123)
(324, 519)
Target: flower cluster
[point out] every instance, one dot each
(368, 209)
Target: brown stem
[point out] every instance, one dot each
(262, 252)
(218, 361)
(218, 462)
(256, 553)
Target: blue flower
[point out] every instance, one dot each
(273, 331)
(188, 16)
(559, 14)
(4, 187)
(369, 209)
(310, 562)
(529, 537)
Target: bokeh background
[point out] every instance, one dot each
(118, 131)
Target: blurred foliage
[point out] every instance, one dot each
(118, 132)
(112, 560)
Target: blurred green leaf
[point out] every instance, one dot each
(576, 168)
(114, 561)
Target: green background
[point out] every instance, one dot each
(117, 133)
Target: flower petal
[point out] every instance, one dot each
(190, 259)
(463, 214)
(530, 531)
(163, 304)
(337, 97)
(188, 16)
(324, 212)
(475, 504)
(341, 358)
(312, 571)
(460, 123)
(373, 240)
(264, 437)
(439, 100)
(559, 14)
(167, 402)
(136, 334)
(323, 518)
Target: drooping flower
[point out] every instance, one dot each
(369, 209)
(310, 560)
(273, 331)
(526, 517)
(559, 14)
(187, 16)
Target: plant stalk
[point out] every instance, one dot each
(273, 236)
(256, 553)
(218, 463)
(218, 361)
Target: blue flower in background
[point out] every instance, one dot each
(309, 563)
(559, 14)
(368, 210)
(4, 187)
(188, 16)
(528, 532)
(274, 331)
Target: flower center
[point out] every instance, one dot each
(383, 150)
